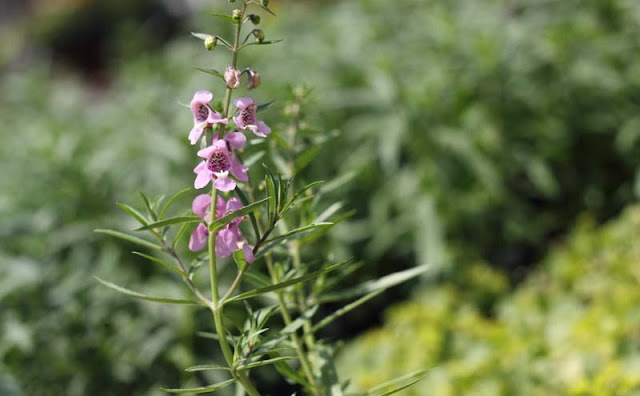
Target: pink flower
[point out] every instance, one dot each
(246, 118)
(232, 77)
(229, 239)
(254, 78)
(219, 162)
(203, 115)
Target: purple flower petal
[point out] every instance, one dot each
(198, 239)
(236, 140)
(201, 205)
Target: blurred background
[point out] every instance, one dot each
(495, 140)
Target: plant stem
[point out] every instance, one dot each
(284, 312)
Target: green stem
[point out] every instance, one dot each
(284, 311)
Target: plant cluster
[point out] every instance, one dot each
(281, 217)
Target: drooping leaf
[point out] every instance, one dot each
(202, 389)
(141, 296)
(170, 221)
(223, 16)
(129, 238)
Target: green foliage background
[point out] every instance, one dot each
(473, 132)
(570, 329)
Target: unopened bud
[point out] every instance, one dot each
(264, 2)
(254, 78)
(259, 35)
(236, 16)
(232, 1)
(210, 42)
(255, 19)
(232, 77)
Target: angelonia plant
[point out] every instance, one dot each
(262, 226)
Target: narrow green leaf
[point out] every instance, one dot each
(240, 260)
(173, 220)
(257, 292)
(257, 279)
(201, 36)
(300, 321)
(264, 7)
(203, 389)
(224, 220)
(141, 296)
(272, 207)
(129, 238)
(291, 235)
(173, 199)
(264, 362)
(213, 72)
(179, 235)
(346, 309)
(264, 106)
(298, 194)
(133, 213)
(414, 376)
(223, 16)
(147, 204)
(206, 367)
(161, 262)
(379, 284)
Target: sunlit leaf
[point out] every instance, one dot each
(127, 237)
(141, 296)
(203, 389)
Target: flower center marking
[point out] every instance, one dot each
(218, 162)
(202, 114)
(248, 115)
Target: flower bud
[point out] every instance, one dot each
(255, 19)
(258, 34)
(254, 78)
(232, 1)
(236, 16)
(210, 42)
(264, 3)
(232, 77)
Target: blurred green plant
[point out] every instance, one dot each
(572, 328)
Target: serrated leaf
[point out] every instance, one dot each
(161, 262)
(264, 362)
(133, 213)
(202, 389)
(173, 199)
(141, 296)
(173, 220)
(224, 220)
(213, 72)
(206, 367)
(291, 235)
(127, 237)
(379, 284)
(257, 292)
